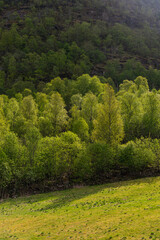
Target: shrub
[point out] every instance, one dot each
(56, 156)
(102, 157)
(135, 157)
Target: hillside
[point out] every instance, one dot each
(40, 40)
(123, 210)
(79, 93)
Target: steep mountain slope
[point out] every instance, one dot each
(40, 40)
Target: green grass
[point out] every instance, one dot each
(123, 210)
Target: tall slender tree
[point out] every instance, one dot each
(108, 126)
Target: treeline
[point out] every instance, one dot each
(78, 132)
(40, 40)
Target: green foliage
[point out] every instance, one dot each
(132, 114)
(85, 84)
(56, 156)
(15, 162)
(76, 100)
(67, 152)
(80, 127)
(44, 159)
(36, 145)
(5, 170)
(141, 83)
(154, 146)
(32, 138)
(54, 41)
(56, 113)
(56, 85)
(102, 158)
(89, 109)
(151, 118)
(45, 126)
(82, 167)
(41, 100)
(136, 156)
(79, 33)
(2, 81)
(108, 126)
(29, 108)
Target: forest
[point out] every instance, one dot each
(78, 132)
(79, 92)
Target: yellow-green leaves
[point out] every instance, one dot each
(108, 126)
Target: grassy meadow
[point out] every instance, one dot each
(123, 210)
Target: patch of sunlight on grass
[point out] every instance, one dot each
(123, 210)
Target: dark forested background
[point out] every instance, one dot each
(40, 40)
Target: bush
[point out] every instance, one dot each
(82, 167)
(102, 158)
(5, 170)
(44, 162)
(154, 146)
(56, 156)
(135, 157)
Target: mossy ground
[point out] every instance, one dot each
(123, 210)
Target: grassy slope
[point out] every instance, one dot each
(124, 210)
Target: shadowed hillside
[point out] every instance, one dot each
(40, 40)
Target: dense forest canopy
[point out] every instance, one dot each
(78, 131)
(79, 91)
